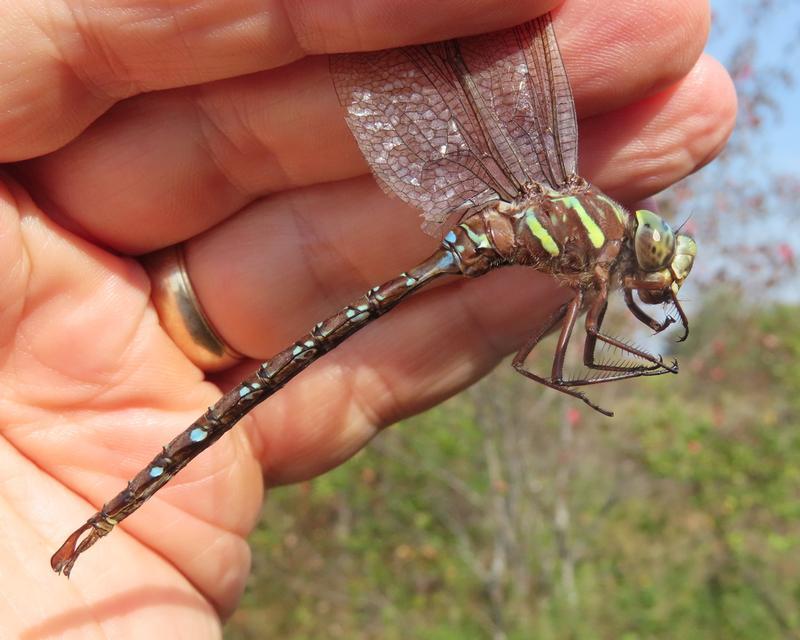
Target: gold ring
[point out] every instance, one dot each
(181, 314)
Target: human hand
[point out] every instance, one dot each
(140, 125)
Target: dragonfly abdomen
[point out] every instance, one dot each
(257, 387)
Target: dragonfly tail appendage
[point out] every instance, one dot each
(63, 560)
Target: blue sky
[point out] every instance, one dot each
(778, 34)
(745, 246)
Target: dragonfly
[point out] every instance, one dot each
(481, 134)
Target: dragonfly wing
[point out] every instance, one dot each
(451, 126)
(409, 115)
(520, 77)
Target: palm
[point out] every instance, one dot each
(85, 405)
(92, 387)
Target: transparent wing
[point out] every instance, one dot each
(527, 92)
(451, 126)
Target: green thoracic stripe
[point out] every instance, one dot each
(596, 236)
(480, 240)
(618, 211)
(539, 232)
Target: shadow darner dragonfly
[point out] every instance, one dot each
(480, 132)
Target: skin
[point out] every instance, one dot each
(215, 124)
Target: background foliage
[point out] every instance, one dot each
(509, 512)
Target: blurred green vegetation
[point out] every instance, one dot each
(513, 512)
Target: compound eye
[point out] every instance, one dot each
(654, 241)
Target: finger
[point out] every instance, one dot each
(631, 153)
(95, 55)
(427, 349)
(293, 265)
(169, 165)
(636, 48)
(662, 139)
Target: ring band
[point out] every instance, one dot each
(181, 314)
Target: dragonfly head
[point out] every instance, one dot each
(664, 258)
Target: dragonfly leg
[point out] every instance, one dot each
(595, 318)
(682, 314)
(568, 313)
(630, 284)
(594, 321)
(643, 316)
